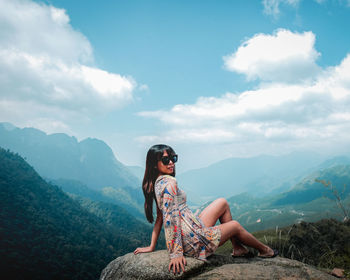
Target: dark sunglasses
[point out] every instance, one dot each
(165, 160)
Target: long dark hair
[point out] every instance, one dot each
(154, 154)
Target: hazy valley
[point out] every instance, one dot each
(64, 200)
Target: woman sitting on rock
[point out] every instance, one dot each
(187, 234)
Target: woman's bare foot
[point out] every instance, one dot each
(268, 253)
(239, 251)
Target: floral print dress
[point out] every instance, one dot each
(185, 233)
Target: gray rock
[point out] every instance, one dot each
(147, 266)
(155, 266)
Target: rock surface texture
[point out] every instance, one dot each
(154, 265)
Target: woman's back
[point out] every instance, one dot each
(184, 232)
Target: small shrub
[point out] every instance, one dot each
(324, 244)
(337, 197)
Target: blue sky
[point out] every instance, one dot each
(214, 79)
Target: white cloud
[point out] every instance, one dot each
(261, 104)
(272, 7)
(275, 115)
(284, 57)
(48, 66)
(38, 29)
(341, 2)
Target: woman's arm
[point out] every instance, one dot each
(155, 234)
(172, 226)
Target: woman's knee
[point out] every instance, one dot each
(230, 229)
(222, 201)
(236, 224)
(236, 227)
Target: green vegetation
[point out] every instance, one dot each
(324, 244)
(310, 188)
(45, 234)
(107, 194)
(307, 201)
(337, 197)
(128, 199)
(122, 223)
(90, 161)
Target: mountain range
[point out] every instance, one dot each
(257, 175)
(309, 200)
(89, 162)
(90, 165)
(75, 207)
(46, 234)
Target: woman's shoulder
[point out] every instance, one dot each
(164, 179)
(166, 183)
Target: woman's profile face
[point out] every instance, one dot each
(167, 169)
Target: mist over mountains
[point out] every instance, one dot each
(308, 200)
(259, 176)
(309, 189)
(91, 204)
(91, 162)
(264, 184)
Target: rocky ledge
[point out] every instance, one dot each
(154, 265)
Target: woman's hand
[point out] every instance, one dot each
(178, 263)
(143, 250)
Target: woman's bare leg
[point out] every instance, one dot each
(220, 210)
(233, 228)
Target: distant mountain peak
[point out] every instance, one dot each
(8, 126)
(59, 155)
(334, 161)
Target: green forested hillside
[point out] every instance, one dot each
(309, 200)
(121, 222)
(309, 189)
(90, 161)
(107, 194)
(45, 234)
(256, 175)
